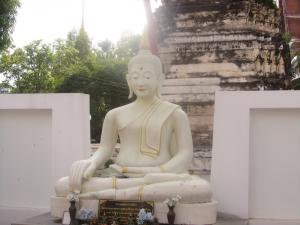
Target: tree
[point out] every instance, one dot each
(106, 86)
(73, 65)
(28, 69)
(39, 67)
(127, 46)
(81, 42)
(106, 50)
(8, 11)
(66, 60)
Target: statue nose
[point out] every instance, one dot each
(141, 82)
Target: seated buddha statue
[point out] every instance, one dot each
(156, 147)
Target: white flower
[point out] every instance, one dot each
(172, 201)
(74, 196)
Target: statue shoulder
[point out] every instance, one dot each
(177, 111)
(119, 109)
(116, 111)
(172, 110)
(170, 105)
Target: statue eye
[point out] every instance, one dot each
(147, 75)
(134, 76)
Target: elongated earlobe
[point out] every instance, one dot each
(130, 92)
(129, 87)
(158, 88)
(158, 94)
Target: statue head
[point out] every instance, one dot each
(145, 64)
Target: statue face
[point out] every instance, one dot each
(143, 80)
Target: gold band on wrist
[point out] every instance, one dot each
(141, 193)
(162, 169)
(124, 170)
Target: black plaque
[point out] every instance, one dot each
(122, 211)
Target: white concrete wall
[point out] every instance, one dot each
(256, 157)
(274, 163)
(25, 150)
(40, 136)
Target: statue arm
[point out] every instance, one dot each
(84, 169)
(182, 159)
(108, 142)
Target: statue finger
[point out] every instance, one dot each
(77, 178)
(72, 175)
(116, 167)
(74, 170)
(79, 173)
(76, 175)
(89, 171)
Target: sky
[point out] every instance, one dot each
(103, 19)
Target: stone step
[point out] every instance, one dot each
(203, 98)
(196, 109)
(221, 69)
(207, 70)
(211, 38)
(240, 80)
(178, 90)
(201, 81)
(224, 75)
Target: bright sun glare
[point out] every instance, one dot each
(103, 19)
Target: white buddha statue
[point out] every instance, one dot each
(156, 147)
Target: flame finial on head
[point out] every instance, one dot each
(145, 43)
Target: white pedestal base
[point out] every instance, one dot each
(273, 222)
(201, 213)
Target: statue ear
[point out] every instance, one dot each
(158, 88)
(129, 86)
(158, 91)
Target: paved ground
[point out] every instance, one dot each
(9, 215)
(46, 219)
(43, 219)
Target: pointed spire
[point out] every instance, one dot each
(82, 19)
(151, 28)
(145, 44)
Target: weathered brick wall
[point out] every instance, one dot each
(210, 45)
(291, 15)
(292, 7)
